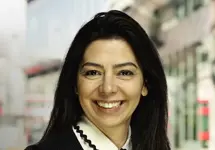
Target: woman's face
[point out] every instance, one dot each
(110, 82)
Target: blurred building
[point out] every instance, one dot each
(12, 77)
(42, 79)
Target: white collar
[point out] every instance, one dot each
(95, 135)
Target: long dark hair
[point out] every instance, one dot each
(149, 120)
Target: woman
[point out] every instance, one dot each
(112, 91)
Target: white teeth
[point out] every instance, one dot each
(108, 105)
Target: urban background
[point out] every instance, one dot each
(35, 36)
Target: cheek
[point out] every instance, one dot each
(132, 87)
(83, 92)
(85, 88)
(132, 91)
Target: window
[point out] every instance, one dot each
(182, 67)
(198, 4)
(35, 104)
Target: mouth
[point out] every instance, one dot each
(109, 105)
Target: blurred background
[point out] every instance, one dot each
(36, 34)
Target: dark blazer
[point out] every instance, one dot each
(58, 141)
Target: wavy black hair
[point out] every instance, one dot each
(149, 120)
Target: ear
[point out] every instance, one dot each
(144, 91)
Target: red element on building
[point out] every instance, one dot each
(43, 68)
(203, 111)
(33, 70)
(202, 101)
(204, 136)
(1, 111)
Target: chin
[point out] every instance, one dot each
(110, 122)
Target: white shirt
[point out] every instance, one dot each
(98, 138)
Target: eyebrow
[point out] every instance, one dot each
(125, 64)
(115, 66)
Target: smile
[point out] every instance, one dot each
(108, 105)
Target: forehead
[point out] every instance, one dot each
(109, 50)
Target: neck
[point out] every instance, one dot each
(118, 135)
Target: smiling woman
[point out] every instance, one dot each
(106, 87)
(112, 91)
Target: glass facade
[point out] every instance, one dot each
(187, 71)
(181, 68)
(178, 10)
(186, 7)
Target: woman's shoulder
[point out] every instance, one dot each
(58, 141)
(46, 143)
(32, 147)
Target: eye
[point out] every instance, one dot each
(125, 73)
(92, 74)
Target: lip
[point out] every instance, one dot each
(109, 101)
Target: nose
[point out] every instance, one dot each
(108, 86)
